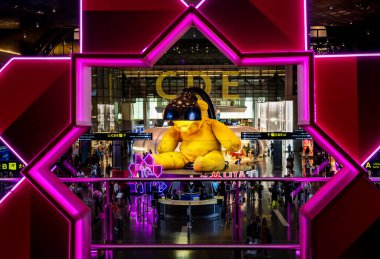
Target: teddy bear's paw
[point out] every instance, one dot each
(200, 164)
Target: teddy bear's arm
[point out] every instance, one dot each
(225, 136)
(169, 141)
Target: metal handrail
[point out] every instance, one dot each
(195, 246)
(268, 179)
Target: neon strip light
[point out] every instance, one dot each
(195, 246)
(32, 58)
(81, 29)
(54, 167)
(349, 55)
(304, 67)
(305, 25)
(12, 190)
(168, 41)
(269, 179)
(330, 148)
(194, 179)
(370, 156)
(73, 206)
(355, 55)
(50, 157)
(224, 48)
(197, 6)
(13, 151)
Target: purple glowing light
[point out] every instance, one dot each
(32, 58)
(356, 55)
(13, 151)
(197, 6)
(169, 40)
(81, 26)
(219, 43)
(145, 166)
(305, 25)
(329, 147)
(54, 167)
(303, 63)
(370, 156)
(12, 190)
(59, 192)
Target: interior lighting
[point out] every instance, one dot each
(197, 6)
(10, 51)
(37, 25)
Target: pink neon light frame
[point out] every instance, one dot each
(356, 55)
(197, 6)
(40, 177)
(81, 63)
(304, 61)
(305, 65)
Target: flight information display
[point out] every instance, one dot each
(11, 166)
(117, 136)
(297, 134)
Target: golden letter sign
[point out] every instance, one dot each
(226, 83)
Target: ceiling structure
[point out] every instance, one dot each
(36, 27)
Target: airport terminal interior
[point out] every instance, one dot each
(194, 115)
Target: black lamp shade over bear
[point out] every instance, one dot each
(184, 108)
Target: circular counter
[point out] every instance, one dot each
(200, 209)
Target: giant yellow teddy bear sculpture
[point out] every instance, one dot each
(201, 144)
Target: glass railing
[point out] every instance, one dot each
(141, 215)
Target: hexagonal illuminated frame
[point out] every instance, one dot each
(82, 64)
(81, 71)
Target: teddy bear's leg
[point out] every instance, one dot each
(170, 160)
(213, 161)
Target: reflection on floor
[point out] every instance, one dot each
(138, 228)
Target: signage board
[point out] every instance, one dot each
(297, 134)
(117, 136)
(372, 165)
(11, 166)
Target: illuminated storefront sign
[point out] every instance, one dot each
(11, 166)
(226, 83)
(235, 174)
(144, 167)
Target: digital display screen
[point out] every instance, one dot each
(117, 136)
(11, 166)
(297, 134)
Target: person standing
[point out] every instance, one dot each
(108, 170)
(265, 236)
(127, 192)
(289, 149)
(98, 197)
(250, 232)
(275, 191)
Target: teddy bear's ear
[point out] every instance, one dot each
(203, 105)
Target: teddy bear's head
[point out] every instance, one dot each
(191, 127)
